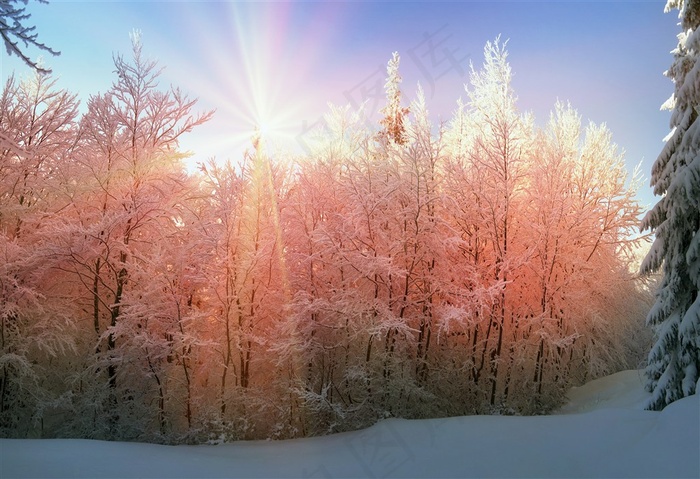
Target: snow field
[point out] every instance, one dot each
(602, 432)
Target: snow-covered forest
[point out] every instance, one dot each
(401, 269)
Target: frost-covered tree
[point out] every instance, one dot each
(585, 305)
(498, 159)
(423, 271)
(246, 285)
(37, 120)
(128, 200)
(674, 361)
(394, 113)
(544, 219)
(15, 32)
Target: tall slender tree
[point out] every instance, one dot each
(674, 361)
(498, 157)
(394, 113)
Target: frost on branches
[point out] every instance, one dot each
(394, 113)
(16, 35)
(477, 267)
(674, 360)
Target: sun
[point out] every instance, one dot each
(269, 126)
(265, 129)
(261, 75)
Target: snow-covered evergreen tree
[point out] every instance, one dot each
(674, 361)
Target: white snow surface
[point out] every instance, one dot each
(623, 390)
(602, 432)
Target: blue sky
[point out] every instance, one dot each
(281, 62)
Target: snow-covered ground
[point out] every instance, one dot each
(602, 432)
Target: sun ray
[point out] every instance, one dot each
(264, 58)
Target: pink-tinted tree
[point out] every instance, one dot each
(129, 194)
(37, 121)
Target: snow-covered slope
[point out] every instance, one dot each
(602, 432)
(623, 390)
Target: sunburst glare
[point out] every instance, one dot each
(260, 80)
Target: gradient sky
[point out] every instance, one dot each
(281, 62)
